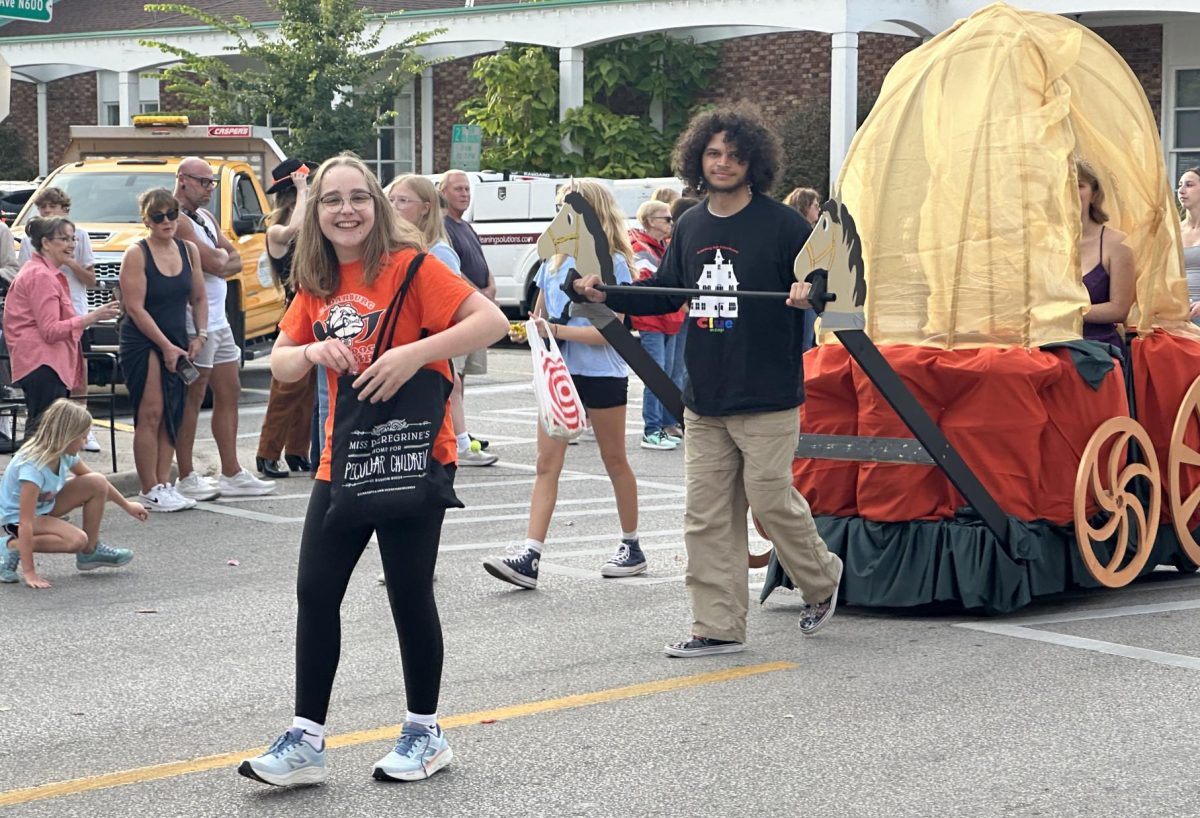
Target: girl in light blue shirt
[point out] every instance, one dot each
(601, 379)
(45, 481)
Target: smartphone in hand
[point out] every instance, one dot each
(187, 371)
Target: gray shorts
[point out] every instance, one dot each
(220, 348)
(473, 363)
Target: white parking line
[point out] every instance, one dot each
(1026, 628)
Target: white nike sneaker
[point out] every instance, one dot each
(91, 444)
(162, 498)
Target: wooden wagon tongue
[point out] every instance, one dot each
(841, 265)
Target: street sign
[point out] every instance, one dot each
(36, 10)
(466, 143)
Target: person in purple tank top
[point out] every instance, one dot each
(1106, 262)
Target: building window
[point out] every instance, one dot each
(108, 91)
(1185, 149)
(393, 152)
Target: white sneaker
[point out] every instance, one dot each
(161, 498)
(244, 484)
(91, 444)
(195, 487)
(188, 502)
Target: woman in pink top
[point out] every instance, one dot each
(40, 322)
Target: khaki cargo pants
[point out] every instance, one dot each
(732, 462)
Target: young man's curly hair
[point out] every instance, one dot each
(758, 147)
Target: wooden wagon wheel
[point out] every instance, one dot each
(1102, 478)
(760, 560)
(1179, 455)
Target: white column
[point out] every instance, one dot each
(127, 95)
(570, 85)
(843, 99)
(43, 131)
(427, 120)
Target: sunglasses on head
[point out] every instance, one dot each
(170, 215)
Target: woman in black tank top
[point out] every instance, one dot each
(287, 424)
(160, 276)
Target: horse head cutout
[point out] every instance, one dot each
(577, 232)
(835, 248)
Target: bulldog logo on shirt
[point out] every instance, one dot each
(347, 324)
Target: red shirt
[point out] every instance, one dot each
(41, 325)
(354, 314)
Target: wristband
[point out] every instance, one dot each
(202, 333)
(305, 353)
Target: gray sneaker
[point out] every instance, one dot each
(814, 617)
(473, 458)
(8, 567)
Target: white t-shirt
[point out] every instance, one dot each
(215, 286)
(83, 256)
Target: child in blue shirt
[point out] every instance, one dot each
(601, 378)
(46, 480)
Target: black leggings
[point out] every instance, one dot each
(409, 549)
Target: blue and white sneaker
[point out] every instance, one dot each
(290, 760)
(419, 753)
(105, 556)
(519, 566)
(627, 561)
(8, 568)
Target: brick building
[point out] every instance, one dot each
(85, 64)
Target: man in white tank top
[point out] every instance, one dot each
(220, 358)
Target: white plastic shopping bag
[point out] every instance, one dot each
(559, 408)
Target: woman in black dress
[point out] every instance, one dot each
(160, 275)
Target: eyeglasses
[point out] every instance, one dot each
(169, 215)
(205, 181)
(401, 200)
(358, 201)
(67, 239)
(663, 218)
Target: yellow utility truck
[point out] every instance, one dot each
(107, 167)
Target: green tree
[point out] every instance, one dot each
(613, 132)
(322, 73)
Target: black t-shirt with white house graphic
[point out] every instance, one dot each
(742, 356)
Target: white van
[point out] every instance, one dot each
(509, 214)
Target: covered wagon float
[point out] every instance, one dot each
(962, 444)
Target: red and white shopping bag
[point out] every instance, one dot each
(559, 408)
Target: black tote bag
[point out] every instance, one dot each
(383, 466)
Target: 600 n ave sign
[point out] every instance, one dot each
(36, 10)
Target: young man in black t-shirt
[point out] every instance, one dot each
(745, 378)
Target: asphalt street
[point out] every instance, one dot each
(135, 692)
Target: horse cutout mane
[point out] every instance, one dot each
(836, 248)
(595, 229)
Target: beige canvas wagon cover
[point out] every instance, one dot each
(964, 188)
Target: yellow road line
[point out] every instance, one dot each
(120, 427)
(196, 765)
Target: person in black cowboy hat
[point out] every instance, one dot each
(286, 425)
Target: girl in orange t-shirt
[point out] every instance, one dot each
(351, 257)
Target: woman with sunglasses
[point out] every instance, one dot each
(40, 322)
(160, 276)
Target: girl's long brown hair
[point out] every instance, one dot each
(315, 266)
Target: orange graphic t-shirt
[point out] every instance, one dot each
(355, 312)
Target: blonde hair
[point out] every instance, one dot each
(431, 225)
(647, 210)
(315, 268)
(1088, 174)
(666, 195)
(611, 218)
(65, 421)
